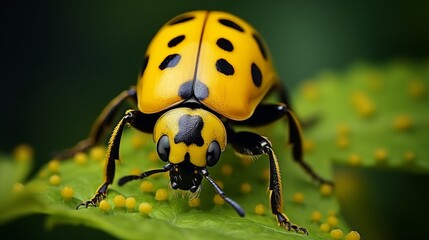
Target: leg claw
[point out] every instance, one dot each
(93, 202)
(288, 225)
(284, 222)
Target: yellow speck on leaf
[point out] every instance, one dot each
(119, 201)
(218, 200)
(161, 194)
(402, 123)
(246, 187)
(409, 156)
(226, 169)
(130, 203)
(380, 155)
(97, 153)
(80, 158)
(332, 221)
(104, 206)
(260, 209)
(316, 216)
(194, 202)
(145, 208)
(326, 189)
(353, 235)
(324, 227)
(342, 142)
(354, 159)
(337, 233)
(298, 197)
(54, 180)
(308, 145)
(53, 166)
(67, 192)
(146, 186)
(23, 153)
(363, 104)
(18, 187)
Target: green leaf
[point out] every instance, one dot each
(357, 114)
(371, 110)
(374, 123)
(16, 199)
(174, 217)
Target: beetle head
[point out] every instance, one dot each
(189, 139)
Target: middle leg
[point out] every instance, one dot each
(268, 113)
(252, 144)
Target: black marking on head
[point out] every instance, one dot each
(180, 19)
(170, 61)
(260, 45)
(224, 67)
(173, 42)
(201, 91)
(145, 61)
(231, 24)
(225, 44)
(186, 89)
(190, 130)
(256, 75)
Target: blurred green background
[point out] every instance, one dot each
(62, 61)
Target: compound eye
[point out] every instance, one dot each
(163, 148)
(213, 154)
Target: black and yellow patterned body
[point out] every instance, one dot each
(204, 73)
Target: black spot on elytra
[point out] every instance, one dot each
(181, 19)
(256, 75)
(187, 90)
(190, 130)
(224, 67)
(144, 65)
(170, 61)
(225, 44)
(201, 91)
(231, 24)
(173, 42)
(260, 45)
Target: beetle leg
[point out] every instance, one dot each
(131, 117)
(268, 113)
(252, 144)
(285, 99)
(295, 139)
(101, 125)
(128, 178)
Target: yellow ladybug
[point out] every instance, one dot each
(204, 73)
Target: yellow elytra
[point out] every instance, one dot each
(207, 51)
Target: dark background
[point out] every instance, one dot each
(62, 61)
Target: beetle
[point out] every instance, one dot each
(203, 74)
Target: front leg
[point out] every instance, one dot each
(133, 118)
(251, 144)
